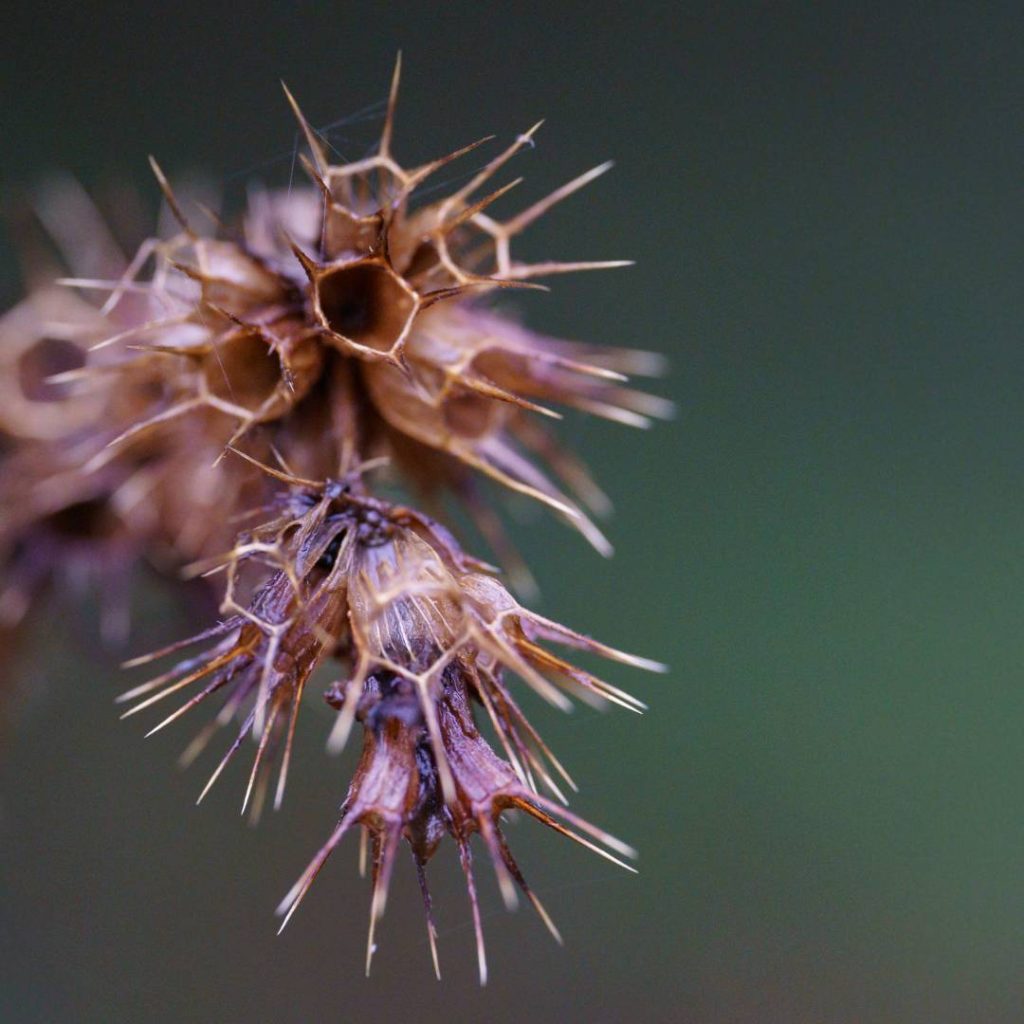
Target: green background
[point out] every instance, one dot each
(825, 203)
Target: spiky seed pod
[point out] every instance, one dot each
(249, 325)
(426, 631)
(392, 590)
(344, 329)
(397, 794)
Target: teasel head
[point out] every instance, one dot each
(378, 587)
(244, 329)
(76, 515)
(421, 633)
(58, 526)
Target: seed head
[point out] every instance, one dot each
(231, 411)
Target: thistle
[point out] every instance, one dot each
(234, 410)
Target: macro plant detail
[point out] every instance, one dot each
(239, 406)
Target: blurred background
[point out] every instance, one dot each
(825, 204)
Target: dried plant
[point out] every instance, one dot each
(255, 380)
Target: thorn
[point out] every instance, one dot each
(172, 201)
(310, 169)
(466, 858)
(293, 481)
(479, 206)
(309, 265)
(525, 271)
(389, 117)
(529, 215)
(417, 177)
(312, 140)
(421, 877)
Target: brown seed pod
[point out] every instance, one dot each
(424, 634)
(397, 794)
(250, 325)
(220, 413)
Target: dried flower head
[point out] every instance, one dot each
(223, 413)
(427, 633)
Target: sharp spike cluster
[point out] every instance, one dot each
(342, 329)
